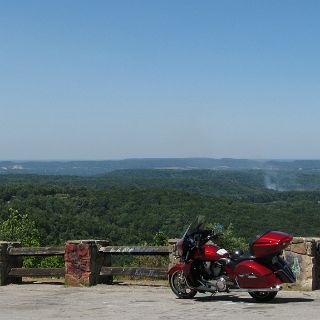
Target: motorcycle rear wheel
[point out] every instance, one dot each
(180, 287)
(263, 296)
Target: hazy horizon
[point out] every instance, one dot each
(160, 158)
(171, 79)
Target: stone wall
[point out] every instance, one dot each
(173, 255)
(303, 256)
(84, 259)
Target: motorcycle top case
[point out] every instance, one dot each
(269, 243)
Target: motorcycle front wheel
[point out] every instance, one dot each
(263, 296)
(180, 287)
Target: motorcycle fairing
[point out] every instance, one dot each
(176, 267)
(185, 267)
(251, 274)
(208, 252)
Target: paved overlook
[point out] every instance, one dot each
(54, 301)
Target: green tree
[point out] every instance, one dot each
(18, 227)
(227, 238)
(160, 239)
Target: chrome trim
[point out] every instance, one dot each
(273, 289)
(213, 289)
(248, 276)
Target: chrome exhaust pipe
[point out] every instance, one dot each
(273, 289)
(213, 289)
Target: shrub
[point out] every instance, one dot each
(19, 227)
(227, 238)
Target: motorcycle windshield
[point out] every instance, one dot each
(196, 225)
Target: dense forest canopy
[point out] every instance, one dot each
(130, 206)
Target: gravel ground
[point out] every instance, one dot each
(127, 301)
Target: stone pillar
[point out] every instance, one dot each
(303, 258)
(7, 262)
(83, 262)
(173, 255)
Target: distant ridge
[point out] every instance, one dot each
(88, 168)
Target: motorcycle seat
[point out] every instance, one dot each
(245, 256)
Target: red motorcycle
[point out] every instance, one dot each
(205, 267)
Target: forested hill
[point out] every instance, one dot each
(89, 168)
(238, 184)
(235, 184)
(130, 207)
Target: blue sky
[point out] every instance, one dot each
(118, 79)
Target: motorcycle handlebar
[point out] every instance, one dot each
(209, 236)
(198, 239)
